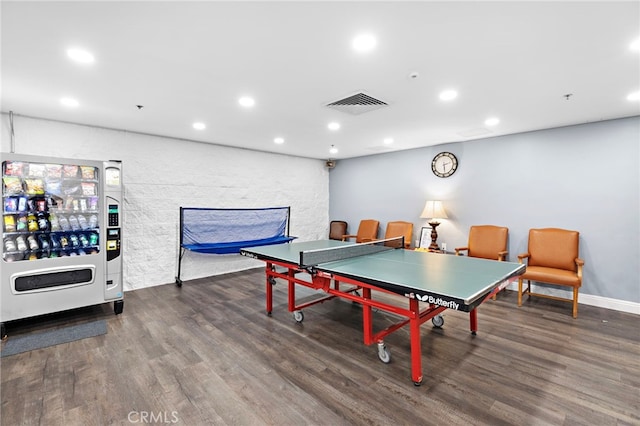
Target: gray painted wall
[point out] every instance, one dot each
(585, 178)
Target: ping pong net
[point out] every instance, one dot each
(310, 258)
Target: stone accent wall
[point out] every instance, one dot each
(161, 174)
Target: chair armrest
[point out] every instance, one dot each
(523, 256)
(459, 249)
(580, 264)
(502, 255)
(346, 237)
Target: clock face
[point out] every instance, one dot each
(444, 164)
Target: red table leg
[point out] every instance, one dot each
(292, 290)
(473, 321)
(367, 317)
(269, 288)
(416, 351)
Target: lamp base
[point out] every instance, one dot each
(434, 236)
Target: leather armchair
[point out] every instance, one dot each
(553, 258)
(399, 229)
(337, 229)
(367, 231)
(487, 242)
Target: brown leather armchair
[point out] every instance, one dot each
(487, 242)
(367, 231)
(399, 229)
(552, 258)
(337, 229)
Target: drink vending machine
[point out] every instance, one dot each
(62, 230)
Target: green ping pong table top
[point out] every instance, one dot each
(442, 278)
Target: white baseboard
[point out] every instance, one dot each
(584, 299)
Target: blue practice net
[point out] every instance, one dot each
(227, 230)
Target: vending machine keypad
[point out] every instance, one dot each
(113, 215)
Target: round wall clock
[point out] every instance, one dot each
(444, 164)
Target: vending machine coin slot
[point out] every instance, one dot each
(113, 243)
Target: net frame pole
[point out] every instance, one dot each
(180, 248)
(288, 220)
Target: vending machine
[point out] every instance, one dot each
(62, 231)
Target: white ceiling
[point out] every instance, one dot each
(191, 61)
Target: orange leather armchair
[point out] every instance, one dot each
(367, 231)
(487, 242)
(399, 229)
(337, 229)
(552, 258)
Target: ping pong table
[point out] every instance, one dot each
(439, 281)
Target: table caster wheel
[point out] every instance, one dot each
(437, 321)
(383, 353)
(298, 316)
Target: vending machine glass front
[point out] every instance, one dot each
(49, 210)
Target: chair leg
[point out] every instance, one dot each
(575, 302)
(519, 291)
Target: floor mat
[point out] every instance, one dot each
(44, 339)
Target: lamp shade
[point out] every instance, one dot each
(433, 210)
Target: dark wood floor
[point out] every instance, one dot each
(206, 354)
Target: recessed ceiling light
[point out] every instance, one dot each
(491, 121)
(279, 141)
(199, 126)
(333, 150)
(388, 141)
(635, 96)
(247, 101)
(448, 95)
(333, 125)
(80, 55)
(69, 102)
(635, 45)
(364, 43)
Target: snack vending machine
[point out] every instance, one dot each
(62, 230)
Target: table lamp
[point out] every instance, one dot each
(433, 210)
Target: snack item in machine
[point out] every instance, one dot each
(36, 170)
(54, 171)
(11, 204)
(88, 188)
(54, 186)
(13, 168)
(70, 171)
(88, 172)
(9, 223)
(21, 224)
(12, 185)
(34, 186)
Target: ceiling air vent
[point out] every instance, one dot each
(357, 104)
